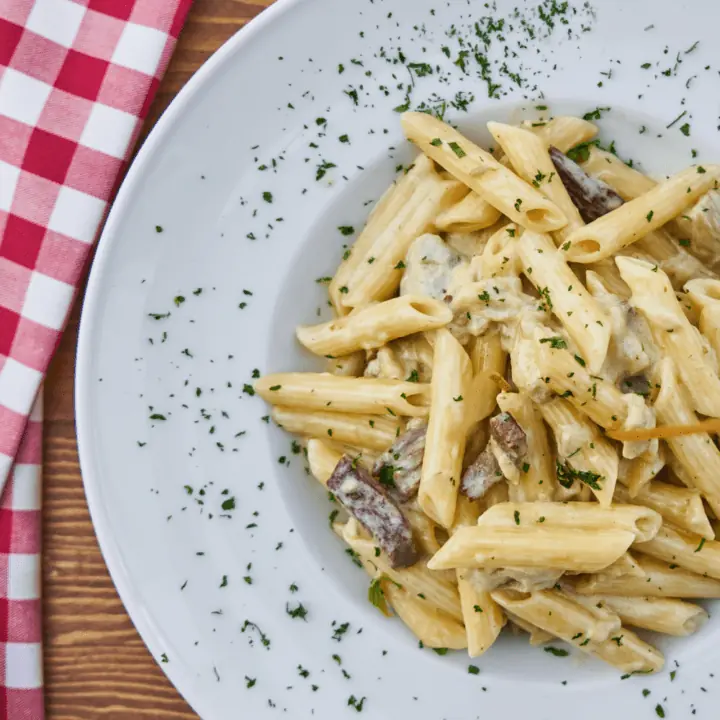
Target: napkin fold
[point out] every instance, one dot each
(76, 81)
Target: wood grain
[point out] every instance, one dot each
(96, 665)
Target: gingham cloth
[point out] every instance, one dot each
(76, 81)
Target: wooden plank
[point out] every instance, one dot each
(96, 665)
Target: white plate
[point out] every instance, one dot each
(258, 102)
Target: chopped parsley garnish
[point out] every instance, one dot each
(685, 129)
(457, 149)
(700, 546)
(595, 114)
(566, 475)
(436, 142)
(267, 197)
(649, 216)
(556, 343)
(473, 670)
(580, 153)
(516, 514)
(578, 360)
(357, 704)
(413, 377)
(546, 303)
(440, 651)
(322, 168)
(376, 596)
(250, 682)
(297, 612)
(539, 177)
(518, 203)
(400, 266)
(484, 296)
(386, 476)
(339, 631)
(659, 711)
(557, 652)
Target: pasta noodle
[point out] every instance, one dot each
(470, 214)
(529, 157)
(664, 615)
(320, 391)
(661, 580)
(445, 444)
(479, 170)
(566, 297)
(572, 622)
(374, 325)
(635, 219)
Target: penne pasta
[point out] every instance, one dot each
(445, 440)
(375, 325)
(653, 295)
(529, 157)
(626, 181)
(696, 454)
(482, 617)
(679, 506)
(534, 479)
(704, 294)
(587, 324)
(661, 580)
(400, 214)
(488, 360)
(417, 580)
(639, 472)
(432, 627)
(644, 523)
(688, 550)
(472, 213)
(664, 615)
(537, 636)
(570, 621)
(479, 170)
(378, 276)
(635, 219)
(564, 132)
(351, 365)
(583, 454)
(569, 549)
(601, 401)
(322, 459)
(331, 393)
(373, 432)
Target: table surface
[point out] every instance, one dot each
(96, 665)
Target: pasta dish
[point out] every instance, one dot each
(517, 418)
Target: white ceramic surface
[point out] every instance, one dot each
(205, 531)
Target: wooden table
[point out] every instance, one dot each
(96, 665)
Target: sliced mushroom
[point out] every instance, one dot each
(399, 468)
(510, 437)
(637, 384)
(481, 475)
(593, 198)
(368, 502)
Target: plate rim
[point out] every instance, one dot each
(107, 542)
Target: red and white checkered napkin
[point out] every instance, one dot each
(76, 81)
